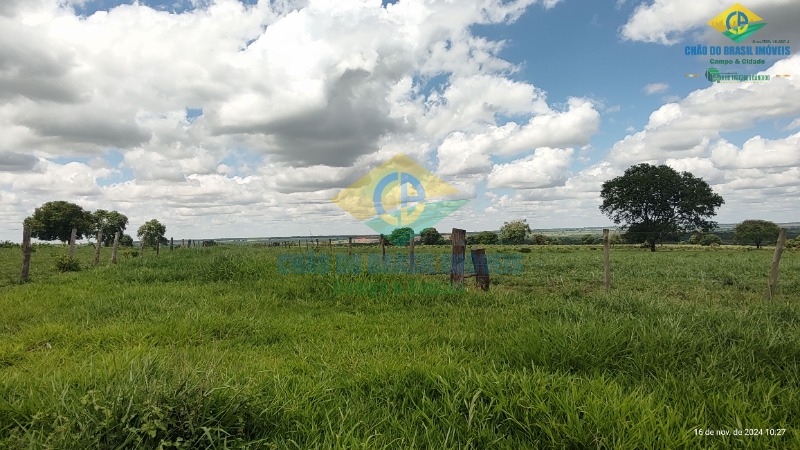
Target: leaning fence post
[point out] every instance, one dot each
(97, 248)
(607, 259)
(383, 253)
(114, 248)
(412, 265)
(776, 262)
(72, 238)
(481, 265)
(26, 254)
(459, 244)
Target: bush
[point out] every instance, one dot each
(710, 239)
(539, 239)
(8, 244)
(589, 239)
(524, 250)
(485, 238)
(66, 264)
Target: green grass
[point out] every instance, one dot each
(213, 348)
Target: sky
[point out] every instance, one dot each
(224, 118)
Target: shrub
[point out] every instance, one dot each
(524, 250)
(8, 244)
(486, 238)
(66, 264)
(589, 239)
(539, 239)
(710, 239)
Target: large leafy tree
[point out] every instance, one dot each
(151, 233)
(401, 236)
(514, 232)
(756, 232)
(55, 221)
(430, 236)
(109, 222)
(655, 202)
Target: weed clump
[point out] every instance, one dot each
(66, 263)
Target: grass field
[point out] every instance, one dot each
(213, 348)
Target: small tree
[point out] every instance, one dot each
(109, 222)
(757, 232)
(55, 221)
(486, 238)
(430, 236)
(126, 240)
(514, 232)
(152, 233)
(401, 236)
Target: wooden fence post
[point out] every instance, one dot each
(171, 244)
(458, 239)
(607, 259)
(158, 246)
(412, 264)
(97, 248)
(114, 248)
(26, 254)
(776, 262)
(72, 238)
(349, 245)
(481, 265)
(383, 253)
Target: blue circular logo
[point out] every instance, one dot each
(407, 214)
(741, 22)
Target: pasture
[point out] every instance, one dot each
(214, 348)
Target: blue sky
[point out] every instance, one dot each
(226, 118)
